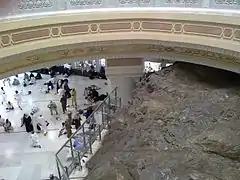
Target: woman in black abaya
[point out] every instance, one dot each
(27, 122)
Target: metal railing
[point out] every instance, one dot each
(24, 7)
(69, 157)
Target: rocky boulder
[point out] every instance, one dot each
(183, 124)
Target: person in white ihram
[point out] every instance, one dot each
(3, 95)
(7, 80)
(35, 141)
(18, 99)
(41, 120)
(61, 92)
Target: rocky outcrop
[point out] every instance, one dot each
(183, 124)
(223, 139)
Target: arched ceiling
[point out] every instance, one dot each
(27, 44)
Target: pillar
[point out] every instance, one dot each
(124, 73)
(163, 64)
(98, 65)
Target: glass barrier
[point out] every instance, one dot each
(49, 7)
(70, 155)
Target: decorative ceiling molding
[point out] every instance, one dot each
(54, 32)
(26, 7)
(100, 44)
(212, 30)
(115, 51)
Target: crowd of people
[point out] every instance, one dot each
(67, 98)
(34, 122)
(84, 69)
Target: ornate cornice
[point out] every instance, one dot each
(187, 29)
(114, 50)
(44, 6)
(219, 31)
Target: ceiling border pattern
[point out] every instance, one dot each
(113, 51)
(225, 32)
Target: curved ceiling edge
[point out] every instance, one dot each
(122, 51)
(195, 41)
(224, 18)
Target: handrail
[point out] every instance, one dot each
(95, 110)
(77, 155)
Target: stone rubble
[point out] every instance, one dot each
(183, 124)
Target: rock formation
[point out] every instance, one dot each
(183, 124)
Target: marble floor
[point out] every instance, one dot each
(18, 160)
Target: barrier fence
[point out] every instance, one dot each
(70, 155)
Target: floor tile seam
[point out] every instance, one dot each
(49, 100)
(1, 133)
(25, 154)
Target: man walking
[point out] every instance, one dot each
(18, 99)
(3, 94)
(74, 97)
(42, 121)
(63, 102)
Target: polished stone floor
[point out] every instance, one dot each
(18, 160)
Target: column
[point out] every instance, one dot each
(163, 64)
(124, 73)
(98, 65)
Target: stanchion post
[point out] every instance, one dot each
(66, 169)
(115, 108)
(99, 132)
(94, 127)
(71, 147)
(120, 102)
(79, 160)
(90, 143)
(58, 169)
(84, 137)
(108, 106)
(103, 122)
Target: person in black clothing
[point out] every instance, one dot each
(77, 120)
(92, 74)
(94, 95)
(50, 84)
(52, 177)
(102, 74)
(9, 106)
(52, 72)
(67, 72)
(27, 122)
(102, 97)
(31, 75)
(38, 76)
(63, 102)
(67, 89)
